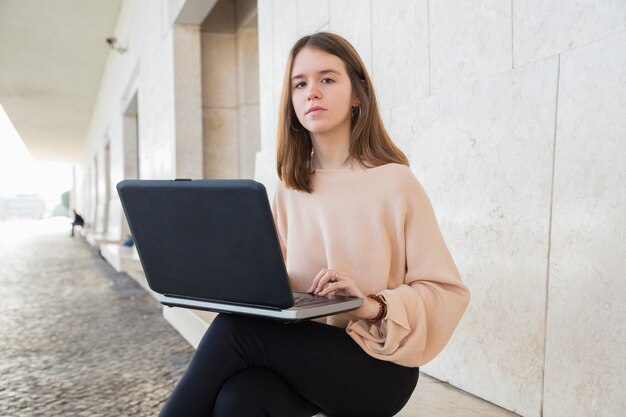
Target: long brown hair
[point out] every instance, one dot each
(369, 141)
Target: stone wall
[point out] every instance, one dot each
(511, 114)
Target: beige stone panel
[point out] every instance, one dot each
(586, 354)
(188, 101)
(312, 15)
(544, 28)
(266, 73)
(221, 150)
(156, 112)
(352, 19)
(219, 70)
(484, 155)
(130, 156)
(157, 144)
(468, 41)
(285, 25)
(248, 66)
(400, 51)
(285, 34)
(249, 139)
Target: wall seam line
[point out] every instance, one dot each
(550, 218)
(330, 7)
(371, 38)
(272, 100)
(428, 25)
(512, 39)
(238, 72)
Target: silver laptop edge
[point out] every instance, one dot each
(296, 313)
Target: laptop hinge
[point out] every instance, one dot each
(224, 302)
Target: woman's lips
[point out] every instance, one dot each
(315, 111)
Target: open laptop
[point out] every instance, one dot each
(212, 245)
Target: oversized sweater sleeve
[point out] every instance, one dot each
(425, 309)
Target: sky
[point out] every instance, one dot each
(20, 174)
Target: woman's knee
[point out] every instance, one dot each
(245, 394)
(261, 392)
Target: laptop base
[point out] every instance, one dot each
(293, 314)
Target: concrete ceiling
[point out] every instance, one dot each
(52, 56)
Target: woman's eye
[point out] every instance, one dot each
(328, 81)
(299, 85)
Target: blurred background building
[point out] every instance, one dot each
(27, 206)
(511, 113)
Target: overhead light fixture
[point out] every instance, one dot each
(112, 41)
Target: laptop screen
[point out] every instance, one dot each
(207, 239)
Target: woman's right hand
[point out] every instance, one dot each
(329, 281)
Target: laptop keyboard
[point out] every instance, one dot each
(307, 301)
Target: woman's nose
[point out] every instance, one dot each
(313, 93)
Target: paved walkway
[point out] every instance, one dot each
(77, 338)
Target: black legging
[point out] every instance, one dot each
(256, 367)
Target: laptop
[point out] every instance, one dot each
(212, 245)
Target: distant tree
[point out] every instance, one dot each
(65, 200)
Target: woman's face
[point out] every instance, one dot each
(321, 92)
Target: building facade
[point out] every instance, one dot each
(512, 116)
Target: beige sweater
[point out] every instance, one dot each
(377, 225)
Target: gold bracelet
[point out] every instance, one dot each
(381, 308)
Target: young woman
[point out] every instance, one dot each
(353, 220)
